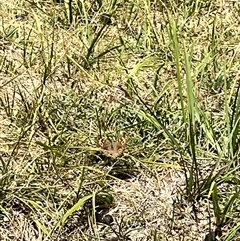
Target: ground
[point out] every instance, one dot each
(119, 120)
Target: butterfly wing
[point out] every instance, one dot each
(114, 149)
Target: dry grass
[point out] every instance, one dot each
(73, 72)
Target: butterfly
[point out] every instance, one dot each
(113, 149)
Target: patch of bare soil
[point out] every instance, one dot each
(146, 205)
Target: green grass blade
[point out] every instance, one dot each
(75, 208)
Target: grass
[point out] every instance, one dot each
(165, 74)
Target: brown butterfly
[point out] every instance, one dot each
(113, 149)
